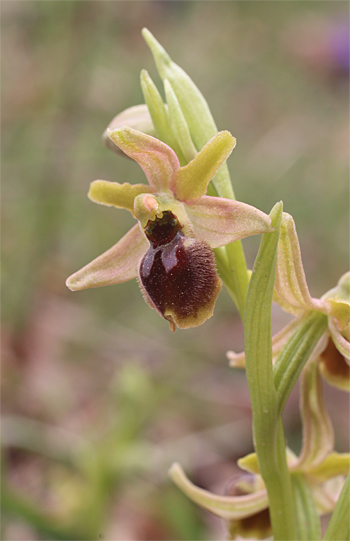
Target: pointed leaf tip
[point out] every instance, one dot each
(160, 55)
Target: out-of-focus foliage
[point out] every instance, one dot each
(99, 398)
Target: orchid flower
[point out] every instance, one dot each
(292, 294)
(318, 471)
(170, 248)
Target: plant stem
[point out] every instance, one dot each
(224, 272)
(267, 426)
(239, 273)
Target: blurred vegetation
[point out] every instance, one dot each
(99, 398)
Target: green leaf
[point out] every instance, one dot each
(295, 354)
(339, 525)
(267, 426)
(308, 522)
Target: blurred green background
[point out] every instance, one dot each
(99, 397)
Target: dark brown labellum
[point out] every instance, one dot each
(178, 274)
(162, 230)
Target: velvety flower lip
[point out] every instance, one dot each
(175, 195)
(292, 294)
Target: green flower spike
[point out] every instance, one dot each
(170, 249)
(292, 294)
(318, 474)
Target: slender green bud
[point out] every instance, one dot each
(178, 123)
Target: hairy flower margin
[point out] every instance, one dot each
(178, 225)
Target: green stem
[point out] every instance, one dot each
(295, 354)
(267, 426)
(224, 272)
(339, 525)
(239, 273)
(307, 519)
(232, 266)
